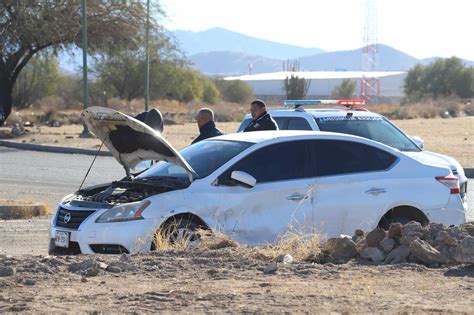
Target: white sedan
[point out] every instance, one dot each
(252, 186)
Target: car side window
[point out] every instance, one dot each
(282, 122)
(281, 161)
(298, 123)
(333, 157)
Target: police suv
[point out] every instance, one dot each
(348, 116)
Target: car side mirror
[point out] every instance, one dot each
(244, 178)
(419, 142)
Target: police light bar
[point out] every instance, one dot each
(348, 103)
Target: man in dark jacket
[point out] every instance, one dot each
(261, 120)
(206, 124)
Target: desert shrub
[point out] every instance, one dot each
(50, 102)
(469, 109)
(73, 118)
(302, 246)
(235, 91)
(427, 111)
(453, 109)
(13, 119)
(398, 113)
(211, 93)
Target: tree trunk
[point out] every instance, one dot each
(6, 91)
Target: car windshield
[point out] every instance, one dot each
(370, 127)
(204, 157)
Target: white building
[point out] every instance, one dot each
(323, 82)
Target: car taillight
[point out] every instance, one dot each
(451, 182)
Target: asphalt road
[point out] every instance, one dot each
(47, 177)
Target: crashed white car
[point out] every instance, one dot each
(252, 186)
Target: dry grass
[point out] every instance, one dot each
(453, 137)
(300, 245)
(14, 209)
(443, 108)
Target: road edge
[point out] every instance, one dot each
(51, 149)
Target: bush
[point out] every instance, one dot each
(211, 93)
(235, 91)
(453, 109)
(469, 109)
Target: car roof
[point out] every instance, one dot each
(317, 112)
(261, 136)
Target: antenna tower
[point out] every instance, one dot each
(369, 85)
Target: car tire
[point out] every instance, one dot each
(179, 232)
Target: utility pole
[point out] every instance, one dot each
(147, 57)
(85, 94)
(369, 84)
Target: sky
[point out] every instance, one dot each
(420, 28)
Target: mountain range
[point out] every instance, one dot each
(218, 51)
(220, 39)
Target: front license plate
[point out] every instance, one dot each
(62, 239)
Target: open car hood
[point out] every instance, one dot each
(129, 140)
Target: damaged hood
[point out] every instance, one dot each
(129, 140)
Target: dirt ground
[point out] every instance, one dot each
(229, 280)
(454, 136)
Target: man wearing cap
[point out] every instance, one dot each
(261, 119)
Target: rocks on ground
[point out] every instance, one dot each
(431, 245)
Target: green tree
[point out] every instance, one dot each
(465, 83)
(345, 90)
(122, 68)
(415, 83)
(442, 78)
(294, 86)
(28, 27)
(211, 93)
(235, 91)
(38, 79)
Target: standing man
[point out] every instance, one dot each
(261, 119)
(206, 124)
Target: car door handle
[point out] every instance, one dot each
(297, 197)
(376, 191)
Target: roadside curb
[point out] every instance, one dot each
(51, 149)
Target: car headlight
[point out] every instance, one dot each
(126, 212)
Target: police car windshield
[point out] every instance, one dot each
(371, 127)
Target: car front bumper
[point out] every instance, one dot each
(92, 238)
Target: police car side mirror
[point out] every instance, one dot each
(418, 141)
(243, 178)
